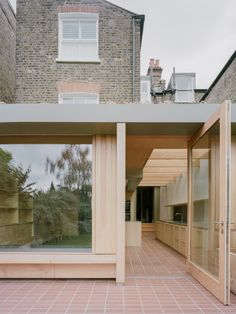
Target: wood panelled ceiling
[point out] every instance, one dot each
(163, 166)
(154, 160)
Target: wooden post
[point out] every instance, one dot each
(120, 203)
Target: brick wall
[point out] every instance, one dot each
(225, 88)
(199, 94)
(7, 52)
(39, 75)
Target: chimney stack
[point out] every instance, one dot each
(155, 72)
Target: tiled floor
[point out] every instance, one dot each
(156, 283)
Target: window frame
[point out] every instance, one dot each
(179, 91)
(57, 140)
(77, 16)
(60, 96)
(145, 97)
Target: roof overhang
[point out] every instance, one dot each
(145, 119)
(148, 126)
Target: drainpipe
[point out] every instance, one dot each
(134, 53)
(140, 18)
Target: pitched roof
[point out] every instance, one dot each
(141, 16)
(117, 6)
(227, 65)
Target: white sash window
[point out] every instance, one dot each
(78, 37)
(185, 85)
(79, 98)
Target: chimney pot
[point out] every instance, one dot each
(152, 62)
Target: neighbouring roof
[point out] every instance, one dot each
(9, 14)
(10, 6)
(227, 65)
(117, 6)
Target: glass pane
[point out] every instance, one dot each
(184, 96)
(45, 196)
(204, 239)
(67, 100)
(144, 87)
(79, 50)
(80, 98)
(233, 204)
(184, 82)
(87, 51)
(70, 30)
(88, 29)
(70, 50)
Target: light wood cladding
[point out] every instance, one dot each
(164, 166)
(120, 202)
(105, 194)
(173, 235)
(57, 271)
(148, 227)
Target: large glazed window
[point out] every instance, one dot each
(205, 227)
(45, 196)
(78, 37)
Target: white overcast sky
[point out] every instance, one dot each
(190, 35)
(34, 157)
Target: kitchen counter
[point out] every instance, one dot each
(172, 233)
(174, 222)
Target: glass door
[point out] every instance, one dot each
(209, 204)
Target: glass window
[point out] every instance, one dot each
(78, 37)
(184, 82)
(88, 30)
(204, 242)
(184, 96)
(145, 91)
(79, 98)
(45, 196)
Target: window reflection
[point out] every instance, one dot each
(45, 196)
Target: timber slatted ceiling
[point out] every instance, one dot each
(163, 166)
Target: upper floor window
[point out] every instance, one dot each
(78, 37)
(79, 98)
(145, 90)
(184, 86)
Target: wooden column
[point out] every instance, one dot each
(104, 194)
(120, 202)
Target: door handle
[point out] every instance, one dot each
(221, 223)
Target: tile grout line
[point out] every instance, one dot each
(56, 298)
(157, 297)
(12, 311)
(106, 298)
(89, 298)
(73, 298)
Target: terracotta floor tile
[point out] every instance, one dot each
(156, 282)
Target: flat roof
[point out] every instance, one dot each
(163, 119)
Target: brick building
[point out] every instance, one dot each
(7, 52)
(224, 86)
(180, 89)
(80, 231)
(72, 52)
